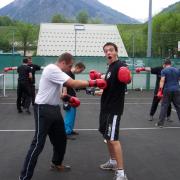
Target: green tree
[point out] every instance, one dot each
(26, 34)
(5, 21)
(58, 18)
(5, 44)
(82, 17)
(95, 21)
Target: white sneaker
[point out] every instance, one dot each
(108, 166)
(120, 177)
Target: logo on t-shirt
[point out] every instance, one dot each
(108, 75)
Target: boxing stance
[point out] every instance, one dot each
(111, 108)
(169, 89)
(156, 100)
(47, 114)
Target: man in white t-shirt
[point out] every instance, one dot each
(48, 117)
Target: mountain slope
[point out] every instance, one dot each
(174, 8)
(36, 11)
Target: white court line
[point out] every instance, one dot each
(122, 129)
(6, 98)
(84, 103)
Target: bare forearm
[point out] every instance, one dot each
(77, 83)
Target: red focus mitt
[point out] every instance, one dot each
(138, 70)
(72, 100)
(160, 93)
(93, 74)
(100, 83)
(124, 75)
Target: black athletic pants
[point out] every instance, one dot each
(154, 106)
(169, 97)
(48, 121)
(23, 89)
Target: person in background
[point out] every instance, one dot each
(34, 68)
(157, 71)
(23, 87)
(70, 112)
(169, 90)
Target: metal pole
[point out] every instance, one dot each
(75, 42)
(133, 60)
(149, 45)
(13, 60)
(13, 44)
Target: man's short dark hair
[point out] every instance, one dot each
(111, 44)
(67, 57)
(167, 61)
(80, 65)
(25, 60)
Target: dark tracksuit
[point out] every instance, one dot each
(23, 86)
(171, 92)
(34, 68)
(156, 100)
(48, 121)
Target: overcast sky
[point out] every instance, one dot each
(137, 9)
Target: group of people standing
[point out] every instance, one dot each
(57, 84)
(167, 90)
(57, 80)
(26, 84)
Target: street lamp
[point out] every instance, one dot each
(149, 45)
(77, 27)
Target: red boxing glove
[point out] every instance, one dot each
(124, 75)
(73, 101)
(160, 93)
(100, 83)
(138, 70)
(6, 69)
(93, 75)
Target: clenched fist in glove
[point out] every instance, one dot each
(73, 101)
(138, 70)
(160, 93)
(93, 75)
(100, 83)
(124, 75)
(6, 69)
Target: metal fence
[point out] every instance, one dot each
(99, 63)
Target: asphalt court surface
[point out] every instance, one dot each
(150, 153)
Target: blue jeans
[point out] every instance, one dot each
(69, 120)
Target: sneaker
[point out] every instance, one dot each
(151, 118)
(74, 133)
(61, 168)
(169, 120)
(108, 166)
(20, 111)
(28, 112)
(159, 124)
(120, 177)
(70, 137)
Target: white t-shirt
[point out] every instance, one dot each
(50, 85)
